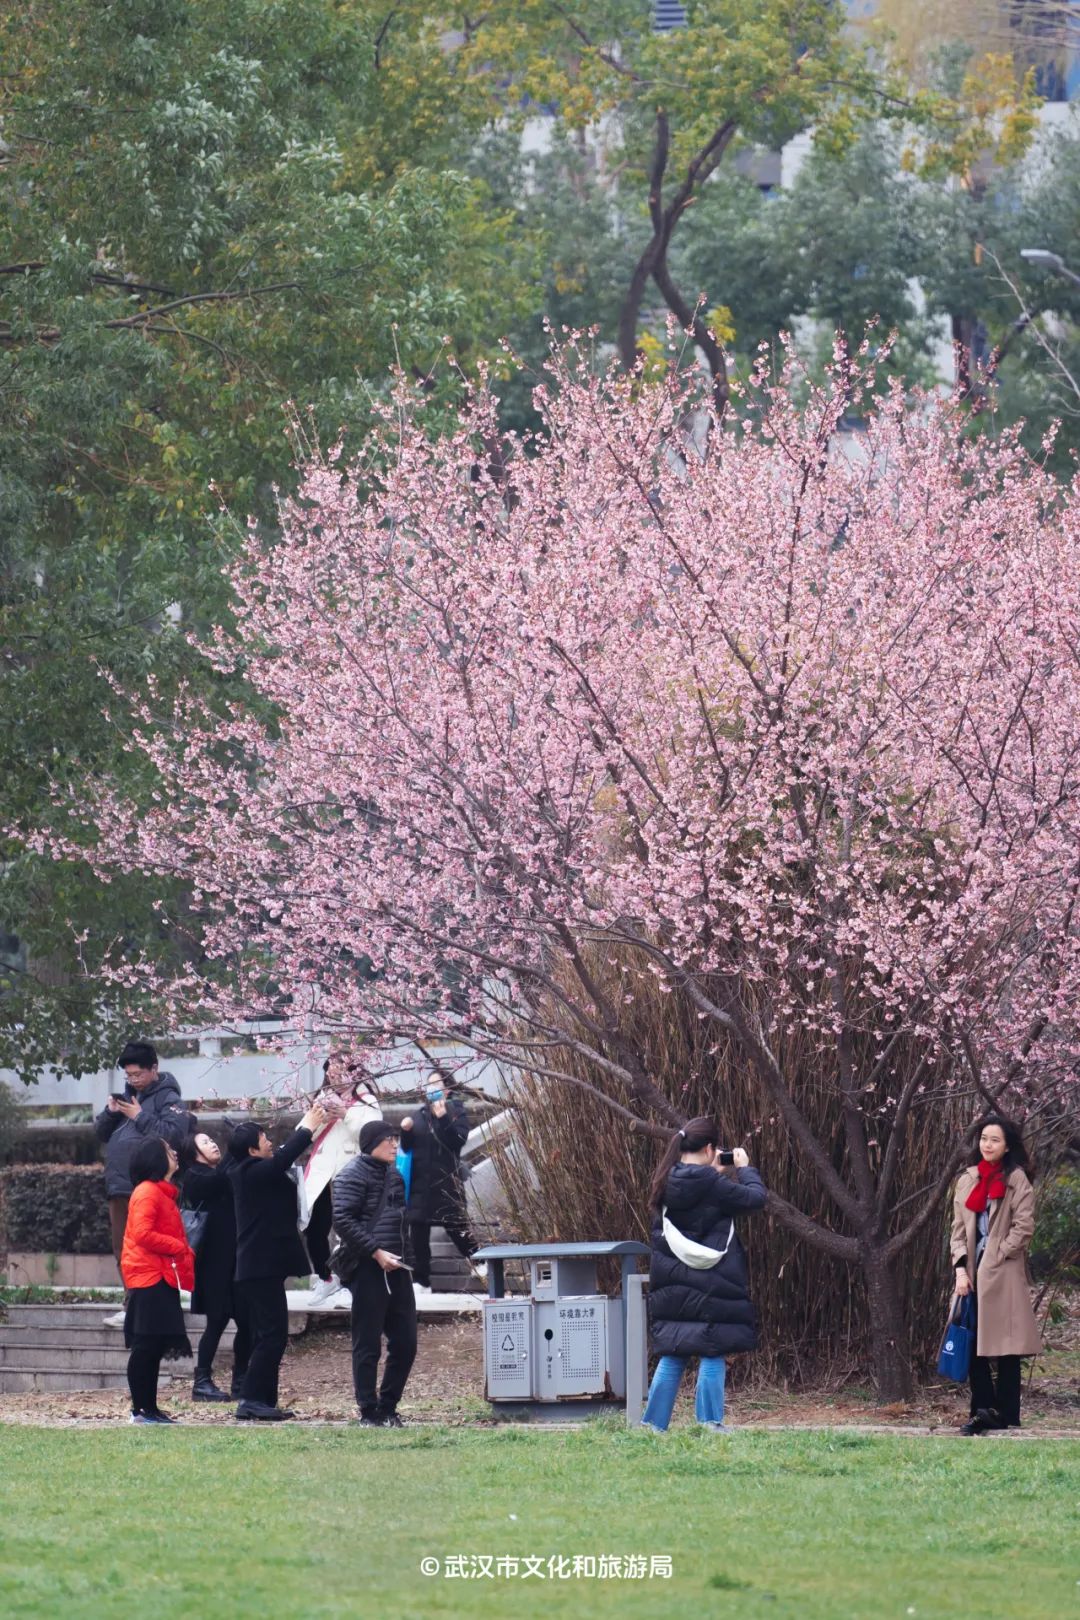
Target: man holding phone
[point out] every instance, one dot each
(369, 1218)
(149, 1105)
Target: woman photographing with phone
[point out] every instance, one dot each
(433, 1139)
(156, 1262)
(206, 1187)
(993, 1224)
(699, 1294)
(349, 1101)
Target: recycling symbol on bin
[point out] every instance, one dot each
(508, 1343)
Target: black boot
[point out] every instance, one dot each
(981, 1421)
(204, 1388)
(236, 1388)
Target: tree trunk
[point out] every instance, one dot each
(888, 1328)
(630, 311)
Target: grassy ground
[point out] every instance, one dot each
(331, 1521)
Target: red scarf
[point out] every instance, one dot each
(991, 1184)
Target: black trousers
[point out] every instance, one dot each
(1001, 1392)
(211, 1338)
(456, 1229)
(144, 1364)
(383, 1303)
(318, 1233)
(264, 1307)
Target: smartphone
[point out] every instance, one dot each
(119, 1096)
(725, 1157)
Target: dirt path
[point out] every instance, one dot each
(447, 1387)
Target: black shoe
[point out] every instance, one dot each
(981, 1421)
(390, 1420)
(370, 1419)
(204, 1388)
(158, 1415)
(258, 1412)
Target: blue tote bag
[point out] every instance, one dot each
(958, 1345)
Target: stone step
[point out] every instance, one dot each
(35, 1380)
(73, 1358)
(76, 1316)
(61, 1315)
(102, 1338)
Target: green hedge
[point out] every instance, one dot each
(1056, 1244)
(54, 1209)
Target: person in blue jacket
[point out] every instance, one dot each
(699, 1287)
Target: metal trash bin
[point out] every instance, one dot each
(566, 1342)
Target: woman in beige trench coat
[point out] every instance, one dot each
(993, 1223)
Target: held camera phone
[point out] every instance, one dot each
(725, 1156)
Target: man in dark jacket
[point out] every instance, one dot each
(369, 1218)
(434, 1139)
(268, 1249)
(149, 1106)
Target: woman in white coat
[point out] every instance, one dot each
(350, 1101)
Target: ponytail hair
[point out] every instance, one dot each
(696, 1134)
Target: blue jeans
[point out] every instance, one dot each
(708, 1398)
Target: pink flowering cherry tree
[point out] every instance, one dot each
(793, 729)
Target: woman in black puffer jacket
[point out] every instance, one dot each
(699, 1290)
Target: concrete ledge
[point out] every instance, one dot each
(61, 1270)
(339, 1305)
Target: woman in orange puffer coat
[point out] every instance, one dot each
(156, 1262)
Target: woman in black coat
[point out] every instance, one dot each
(434, 1138)
(206, 1186)
(699, 1288)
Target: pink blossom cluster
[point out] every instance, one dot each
(796, 730)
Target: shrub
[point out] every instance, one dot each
(571, 1172)
(1056, 1244)
(55, 1209)
(12, 1123)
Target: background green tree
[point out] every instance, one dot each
(211, 216)
(221, 226)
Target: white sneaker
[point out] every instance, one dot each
(322, 1290)
(421, 1290)
(116, 1320)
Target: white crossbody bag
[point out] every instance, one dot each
(697, 1255)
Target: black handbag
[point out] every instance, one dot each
(195, 1223)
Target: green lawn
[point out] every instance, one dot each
(311, 1522)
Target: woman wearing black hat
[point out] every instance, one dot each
(369, 1218)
